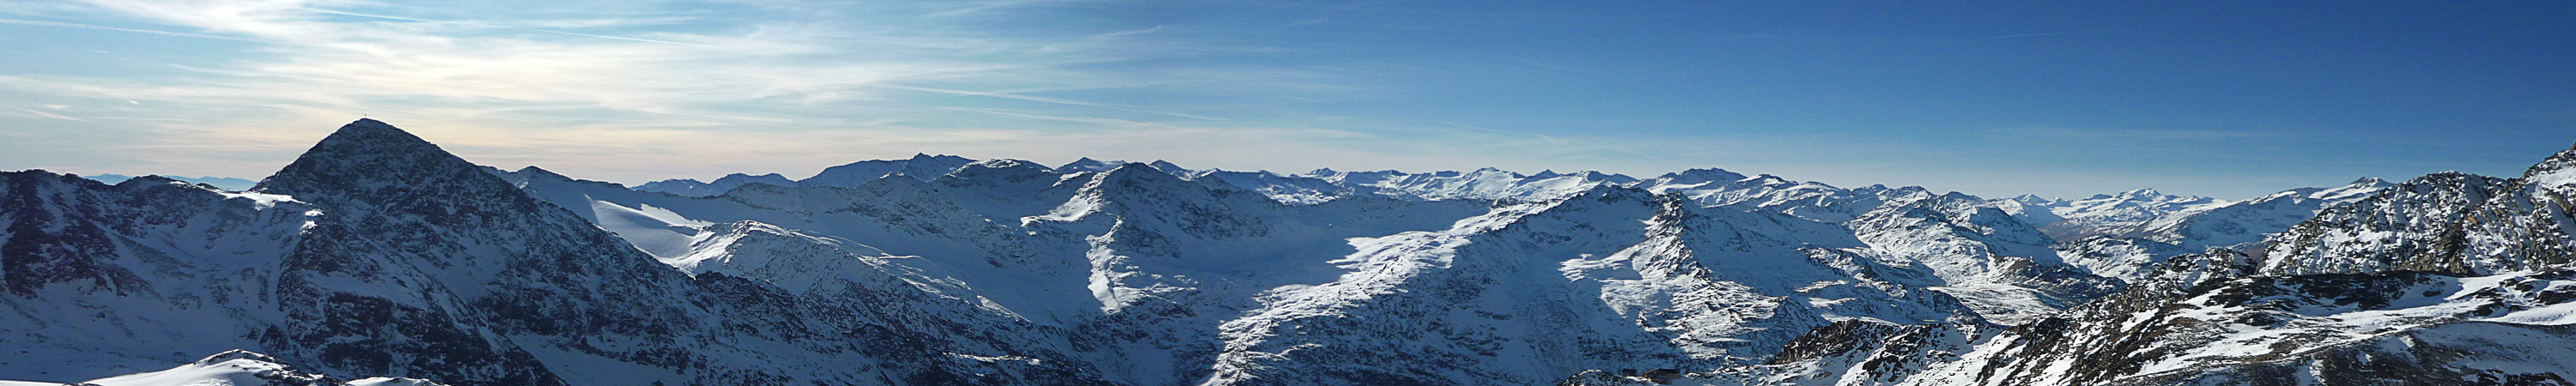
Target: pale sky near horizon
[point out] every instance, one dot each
(2223, 99)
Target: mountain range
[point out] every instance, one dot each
(380, 257)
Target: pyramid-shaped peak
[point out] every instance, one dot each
(372, 132)
(369, 124)
(534, 171)
(368, 150)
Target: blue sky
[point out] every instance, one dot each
(2225, 99)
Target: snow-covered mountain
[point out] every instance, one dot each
(2445, 279)
(1203, 295)
(2133, 254)
(2125, 214)
(2005, 266)
(377, 254)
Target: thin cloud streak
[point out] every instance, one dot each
(107, 28)
(501, 27)
(50, 115)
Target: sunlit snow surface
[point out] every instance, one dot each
(233, 368)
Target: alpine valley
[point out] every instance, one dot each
(377, 258)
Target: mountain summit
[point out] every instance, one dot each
(366, 155)
(2558, 170)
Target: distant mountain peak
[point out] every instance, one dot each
(155, 179)
(534, 171)
(1705, 175)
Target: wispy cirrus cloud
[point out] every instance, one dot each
(736, 86)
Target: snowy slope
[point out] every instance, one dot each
(1998, 264)
(94, 270)
(235, 368)
(1491, 298)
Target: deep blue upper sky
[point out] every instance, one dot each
(2224, 99)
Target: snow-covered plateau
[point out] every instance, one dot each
(378, 258)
